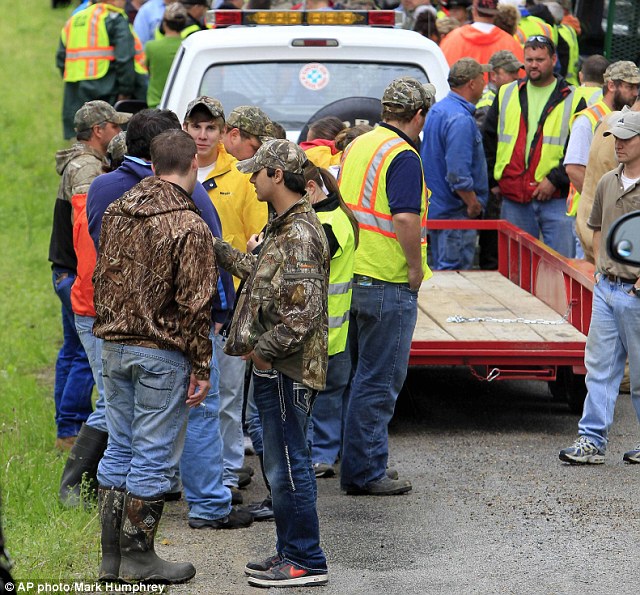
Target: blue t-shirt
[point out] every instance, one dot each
(453, 157)
(404, 179)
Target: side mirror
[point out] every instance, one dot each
(623, 242)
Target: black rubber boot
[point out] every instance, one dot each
(82, 462)
(110, 507)
(138, 559)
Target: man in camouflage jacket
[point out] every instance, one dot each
(154, 281)
(281, 324)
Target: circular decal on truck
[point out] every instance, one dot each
(314, 76)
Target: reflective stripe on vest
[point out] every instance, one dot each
(362, 180)
(487, 99)
(140, 59)
(86, 41)
(571, 38)
(594, 113)
(553, 142)
(340, 278)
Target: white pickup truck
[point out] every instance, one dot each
(294, 71)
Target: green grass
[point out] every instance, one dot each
(46, 541)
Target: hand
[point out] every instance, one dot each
(474, 210)
(415, 278)
(259, 363)
(123, 97)
(254, 240)
(544, 191)
(197, 391)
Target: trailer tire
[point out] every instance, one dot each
(570, 388)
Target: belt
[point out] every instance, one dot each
(366, 281)
(616, 279)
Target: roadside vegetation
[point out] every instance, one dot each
(46, 541)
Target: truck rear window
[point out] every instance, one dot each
(291, 92)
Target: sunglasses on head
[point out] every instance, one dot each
(535, 39)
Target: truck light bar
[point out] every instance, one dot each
(376, 18)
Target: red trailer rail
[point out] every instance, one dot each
(521, 306)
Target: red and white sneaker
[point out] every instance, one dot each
(285, 574)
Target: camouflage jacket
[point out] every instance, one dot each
(78, 165)
(281, 313)
(156, 273)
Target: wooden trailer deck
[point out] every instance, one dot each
(486, 294)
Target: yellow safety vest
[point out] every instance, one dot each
(340, 278)
(87, 45)
(594, 113)
(591, 95)
(555, 130)
(531, 25)
(363, 185)
(571, 37)
(183, 34)
(487, 99)
(140, 59)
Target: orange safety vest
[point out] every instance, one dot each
(87, 44)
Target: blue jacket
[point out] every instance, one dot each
(453, 157)
(109, 187)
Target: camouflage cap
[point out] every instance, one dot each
(623, 70)
(277, 154)
(506, 60)
(98, 112)
(407, 93)
(251, 119)
(465, 70)
(117, 147)
(213, 106)
(626, 127)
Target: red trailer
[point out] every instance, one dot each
(527, 320)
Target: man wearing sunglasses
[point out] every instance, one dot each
(525, 136)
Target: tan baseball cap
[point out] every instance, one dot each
(623, 70)
(465, 70)
(626, 127)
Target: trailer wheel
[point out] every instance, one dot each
(570, 388)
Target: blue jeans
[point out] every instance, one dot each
(548, 218)
(201, 463)
(614, 334)
(231, 401)
(284, 407)
(329, 409)
(252, 420)
(383, 317)
(452, 249)
(146, 392)
(93, 348)
(74, 382)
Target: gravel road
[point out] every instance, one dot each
(492, 509)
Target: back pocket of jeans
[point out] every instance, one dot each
(154, 387)
(303, 397)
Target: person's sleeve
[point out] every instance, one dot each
(237, 263)
(404, 183)
(302, 296)
(334, 245)
(122, 41)
(595, 218)
(490, 139)
(579, 142)
(460, 136)
(83, 177)
(61, 56)
(195, 280)
(141, 26)
(254, 213)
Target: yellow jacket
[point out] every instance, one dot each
(234, 197)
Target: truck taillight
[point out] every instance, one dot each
(315, 43)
